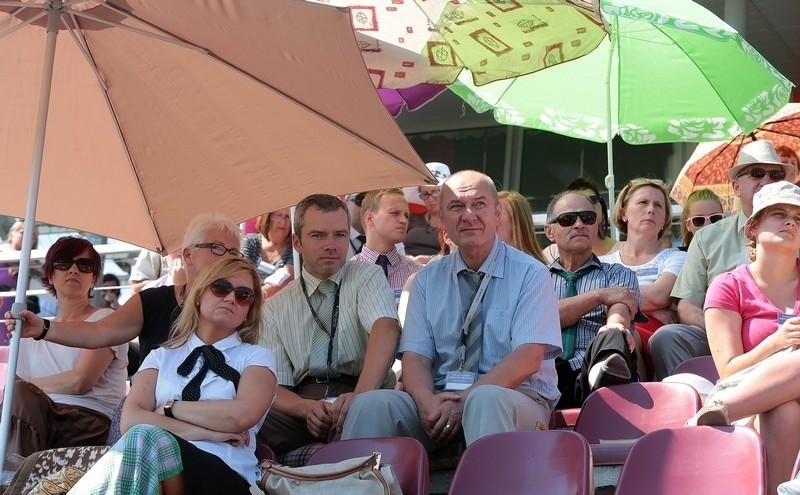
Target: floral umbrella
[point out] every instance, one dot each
(410, 42)
(668, 71)
(709, 164)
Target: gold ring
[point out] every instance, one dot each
(447, 426)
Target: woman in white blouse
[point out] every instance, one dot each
(197, 402)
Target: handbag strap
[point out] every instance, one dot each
(373, 462)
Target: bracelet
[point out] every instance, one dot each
(45, 329)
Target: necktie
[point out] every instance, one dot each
(213, 360)
(383, 262)
(568, 335)
(362, 239)
(318, 361)
(472, 355)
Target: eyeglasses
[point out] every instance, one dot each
(758, 173)
(569, 218)
(219, 249)
(433, 194)
(701, 220)
(244, 295)
(85, 265)
(356, 198)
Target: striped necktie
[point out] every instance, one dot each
(318, 362)
(472, 355)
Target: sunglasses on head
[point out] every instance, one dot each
(244, 295)
(700, 220)
(758, 173)
(85, 265)
(594, 198)
(219, 249)
(569, 218)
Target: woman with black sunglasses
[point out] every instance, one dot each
(701, 208)
(65, 396)
(196, 404)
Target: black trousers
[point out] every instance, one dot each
(574, 384)
(206, 474)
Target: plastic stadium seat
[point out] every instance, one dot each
(4, 351)
(553, 462)
(614, 417)
(407, 457)
(264, 453)
(702, 366)
(696, 460)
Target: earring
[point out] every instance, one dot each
(91, 292)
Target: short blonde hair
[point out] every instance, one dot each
(372, 200)
(187, 322)
(630, 188)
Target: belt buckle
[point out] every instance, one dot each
(321, 381)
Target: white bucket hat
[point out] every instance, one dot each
(757, 152)
(775, 193)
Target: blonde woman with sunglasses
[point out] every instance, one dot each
(197, 402)
(701, 208)
(643, 213)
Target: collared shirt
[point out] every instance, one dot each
(715, 249)
(604, 276)
(519, 307)
(400, 267)
(289, 325)
(355, 243)
(170, 384)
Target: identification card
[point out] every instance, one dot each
(782, 317)
(456, 381)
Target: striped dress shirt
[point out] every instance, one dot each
(604, 276)
(519, 307)
(289, 326)
(400, 267)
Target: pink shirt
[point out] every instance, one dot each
(737, 291)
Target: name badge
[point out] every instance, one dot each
(782, 317)
(456, 381)
(397, 294)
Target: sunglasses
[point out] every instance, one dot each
(244, 295)
(700, 220)
(569, 218)
(219, 249)
(85, 265)
(758, 173)
(594, 198)
(356, 198)
(433, 194)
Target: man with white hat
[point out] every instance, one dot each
(423, 230)
(715, 249)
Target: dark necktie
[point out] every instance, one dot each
(362, 239)
(568, 335)
(472, 354)
(213, 360)
(383, 262)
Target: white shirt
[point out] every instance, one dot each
(170, 384)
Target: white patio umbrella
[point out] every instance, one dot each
(158, 110)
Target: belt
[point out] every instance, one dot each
(341, 379)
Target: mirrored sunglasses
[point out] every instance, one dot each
(244, 295)
(569, 218)
(701, 220)
(758, 173)
(85, 265)
(219, 249)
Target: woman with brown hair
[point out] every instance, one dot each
(516, 224)
(271, 249)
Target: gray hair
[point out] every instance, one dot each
(324, 202)
(205, 222)
(552, 206)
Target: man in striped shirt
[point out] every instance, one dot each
(385, 220)
(597, 303)
(333, 331)
(480, 338)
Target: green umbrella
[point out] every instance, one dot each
(668, 71)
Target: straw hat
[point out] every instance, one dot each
(758, 152)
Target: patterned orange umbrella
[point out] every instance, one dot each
(709, 164)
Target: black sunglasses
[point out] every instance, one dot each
(594, 198)
(700, 220)
(758, 173)
(569, 218)
(219, 249)
(244, 295)
(85, 265)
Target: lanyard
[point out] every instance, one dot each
(331, 333)
(475, 306)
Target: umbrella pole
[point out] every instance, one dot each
(53, 19)
(610, 135)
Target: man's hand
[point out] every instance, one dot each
(448, 426)
(619, 295)
(340, 407)
(319, 419)
(431, 414)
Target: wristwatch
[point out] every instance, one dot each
(168, 408)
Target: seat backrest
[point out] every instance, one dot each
(264, 453)
(405, 455)
(696, 459)
(628, 411)
(553, 462)
(703, 366)
(4, 352)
